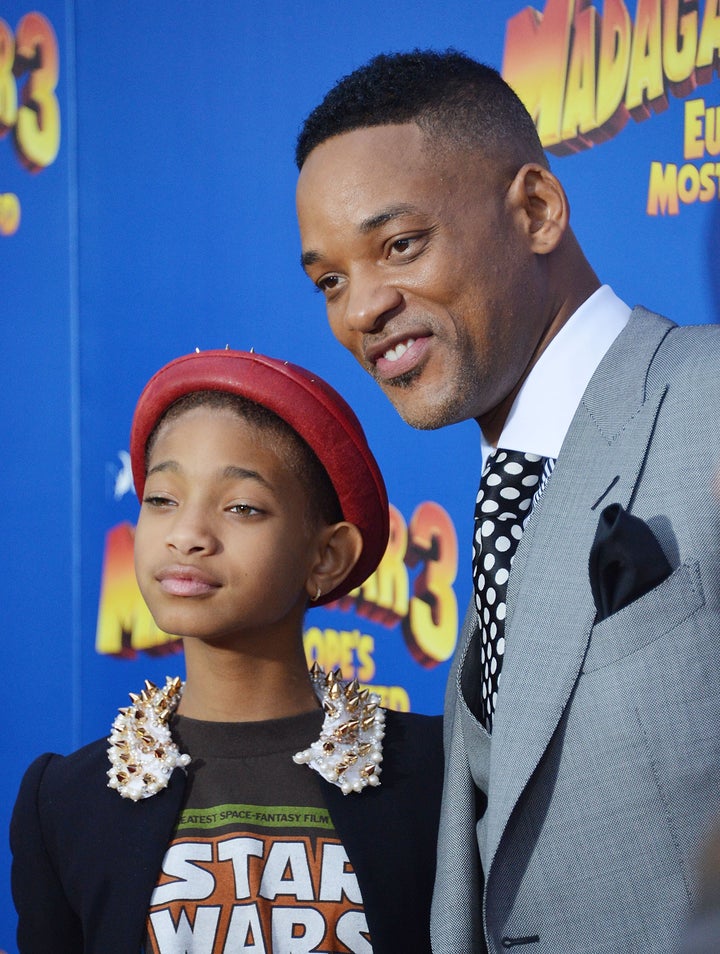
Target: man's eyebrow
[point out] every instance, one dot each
(312, 257)
(386, 215)
(309, 258)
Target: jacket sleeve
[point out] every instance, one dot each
(46, 919)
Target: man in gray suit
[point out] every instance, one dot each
(583, 708)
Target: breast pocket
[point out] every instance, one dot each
(649, 618)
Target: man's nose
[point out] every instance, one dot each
(370, 303)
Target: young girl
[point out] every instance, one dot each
(255, 807)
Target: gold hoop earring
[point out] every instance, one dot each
(314, 599)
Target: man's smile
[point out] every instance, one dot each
(397, 355)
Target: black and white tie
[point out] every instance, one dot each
(511, 482)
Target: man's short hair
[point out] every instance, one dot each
(447, 93)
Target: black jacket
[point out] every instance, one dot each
(86, 861)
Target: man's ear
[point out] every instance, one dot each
(339, 550)
(540, 200)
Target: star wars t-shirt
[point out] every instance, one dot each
(255, 865)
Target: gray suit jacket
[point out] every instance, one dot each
(585, 807)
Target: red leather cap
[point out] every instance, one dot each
(310, 406)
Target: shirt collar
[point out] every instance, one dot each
(546, 403)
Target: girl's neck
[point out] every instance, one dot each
(230, 686)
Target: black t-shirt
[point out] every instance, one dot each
(255, 865)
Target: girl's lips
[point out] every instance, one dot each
(185, 581)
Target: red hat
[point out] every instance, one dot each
(310, 406)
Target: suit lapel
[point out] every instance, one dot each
(550, 607)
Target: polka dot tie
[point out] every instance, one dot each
(509, 484)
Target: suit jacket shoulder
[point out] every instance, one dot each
(651, 352)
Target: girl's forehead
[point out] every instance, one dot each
(206, 418)
(226, 435)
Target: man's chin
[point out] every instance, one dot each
(424, 415)
(419, 404)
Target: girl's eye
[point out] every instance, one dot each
(157, 500)
(245, 510)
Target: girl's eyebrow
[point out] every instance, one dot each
(231, 472)
(163, 465)
(242, 473)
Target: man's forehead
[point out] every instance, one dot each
(388, 145)
(372, 175)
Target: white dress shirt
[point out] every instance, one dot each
(544, 407)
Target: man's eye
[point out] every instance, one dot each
(327, 283)
(408, 246)
(401, 245)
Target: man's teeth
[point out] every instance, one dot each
(392, 354)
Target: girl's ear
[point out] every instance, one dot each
(339, 550)
(539, 198)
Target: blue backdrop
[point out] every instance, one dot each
(147, 208)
